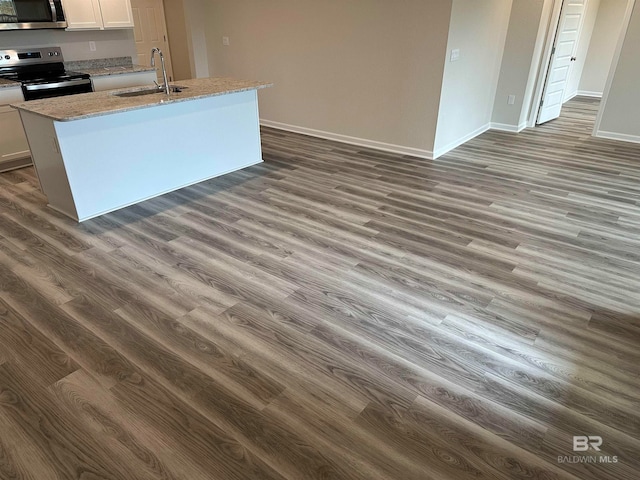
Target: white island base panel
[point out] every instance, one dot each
(92, 166)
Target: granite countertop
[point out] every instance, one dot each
(102, 71)
(8, 83)
(87, 105)
(106, 66)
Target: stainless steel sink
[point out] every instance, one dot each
(150, 91)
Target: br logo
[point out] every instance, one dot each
(584, 443)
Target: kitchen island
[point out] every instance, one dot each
(98, 152)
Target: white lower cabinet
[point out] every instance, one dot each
(13, 142)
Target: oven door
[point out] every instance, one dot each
(30, 14)
(34, 91)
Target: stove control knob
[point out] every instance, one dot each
(56, 53)
(51, 54)
(7, 57)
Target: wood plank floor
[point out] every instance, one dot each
(334, 313)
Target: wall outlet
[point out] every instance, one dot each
(225, 41)
(92, 46)
(511, 100)
(455, 54)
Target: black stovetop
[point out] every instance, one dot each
(47, 73)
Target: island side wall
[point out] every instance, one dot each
(117, 160)
(48, 163)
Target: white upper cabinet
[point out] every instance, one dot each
(98, 14)
(82, 14)
(116, 13)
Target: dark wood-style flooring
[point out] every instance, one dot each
(334, 313)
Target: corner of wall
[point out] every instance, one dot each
(444, 149)
(479, 31)
(523, 47)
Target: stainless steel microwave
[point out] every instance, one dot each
(30, 14)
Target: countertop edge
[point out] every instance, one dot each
(116, 70)
(27, 106)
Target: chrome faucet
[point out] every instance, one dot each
(167, 90)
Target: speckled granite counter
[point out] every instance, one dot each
(8, 83)
(107, 66)
(89, 105)
(100, 72)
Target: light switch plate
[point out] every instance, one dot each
(455, 54)
(225, 41)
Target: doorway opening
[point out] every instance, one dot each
(581, 53)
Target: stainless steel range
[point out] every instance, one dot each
(41, 73)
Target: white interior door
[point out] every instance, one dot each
(150, 31)
(564, 48)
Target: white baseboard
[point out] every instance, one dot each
(617, 136)
(361, 142)
(438, 152)
(586, 93)
(570, 97)
(505, 127)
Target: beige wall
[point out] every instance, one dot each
(517, 65)
(605, 37)
(479, 30)
(620, 118)
(584, 41)
(197, 24)
(368, 69)
(75, 45)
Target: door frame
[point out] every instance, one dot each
(545, 62)
(549, 35)
(553, 45)
(553, 23)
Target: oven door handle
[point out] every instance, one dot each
(54, 11)
(50, 86)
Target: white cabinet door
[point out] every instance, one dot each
(116, 13)
(83, 14)
(13, 142)
(98, 14)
